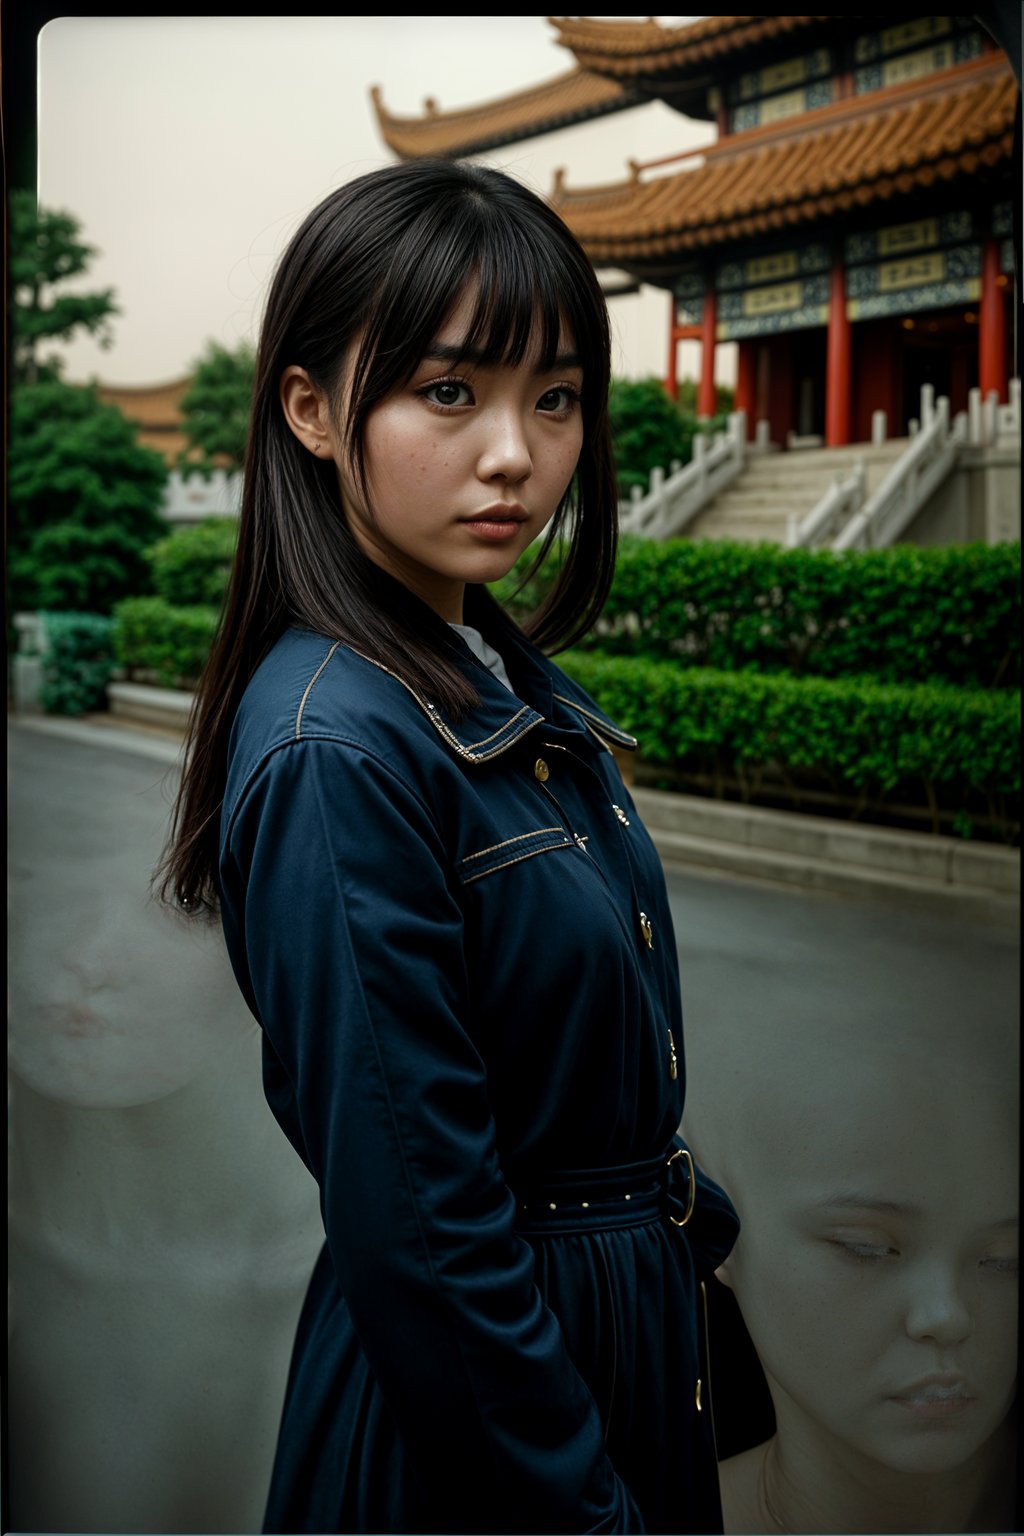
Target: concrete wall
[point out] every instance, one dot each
(980, 501)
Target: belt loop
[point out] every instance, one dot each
(691, 1192)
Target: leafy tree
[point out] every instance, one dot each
(83, 496)
(83, 500)
(44, 250)
(217, 408)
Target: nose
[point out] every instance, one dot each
(505, 453)
(938, 1310)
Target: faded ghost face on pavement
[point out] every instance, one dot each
(877, 1265)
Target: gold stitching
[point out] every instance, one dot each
(517, 839)
(532, 854)
(309, 688)
(449, 735)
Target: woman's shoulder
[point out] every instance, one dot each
(310, 688)
(309, 684)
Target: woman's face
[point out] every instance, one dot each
(877, 1268)
(466, 465)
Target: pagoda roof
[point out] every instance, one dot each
(572, 97)
(155, 410)
(823, 164)
(628, 49)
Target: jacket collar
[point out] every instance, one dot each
(500, 719)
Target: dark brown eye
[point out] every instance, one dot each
(557, 400)
(448, 393)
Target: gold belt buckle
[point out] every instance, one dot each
(692, 1190)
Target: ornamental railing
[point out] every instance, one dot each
(846, 517)
(673, 501)
(844, 497)
(911, 481)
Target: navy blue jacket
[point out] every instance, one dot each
(457, 941)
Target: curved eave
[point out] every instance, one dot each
(630, 51)
(573, 97)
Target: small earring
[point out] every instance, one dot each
(316, 447)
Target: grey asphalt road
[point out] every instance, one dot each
(86, 815)
(149, 1184)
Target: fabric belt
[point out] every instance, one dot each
(603, 1199)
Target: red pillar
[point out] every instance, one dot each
(672, 377)
(992, 325)
(706, 394)
(838, 363)
(746, 383)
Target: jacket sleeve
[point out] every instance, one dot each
(356, 954)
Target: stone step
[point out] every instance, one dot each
(825, 459)
(741, 530)
(739, 533)
(782, 498)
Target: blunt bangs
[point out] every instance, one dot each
(533, 290)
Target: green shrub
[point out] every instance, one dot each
(77, 664)
(904, 614)
(852, 737)
(191, 565)
(158, 642)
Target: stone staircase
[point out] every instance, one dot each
(756, 506)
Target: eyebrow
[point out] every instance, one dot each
(859, 1202)
(444, 352)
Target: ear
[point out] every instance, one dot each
(306, 411)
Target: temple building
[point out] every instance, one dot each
(851, 229)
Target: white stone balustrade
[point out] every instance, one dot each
(673, 501)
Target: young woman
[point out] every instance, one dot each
(437, 896)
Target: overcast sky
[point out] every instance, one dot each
(191, 147)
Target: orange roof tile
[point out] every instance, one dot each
(568, 98)
(625, 49)
(825, 163)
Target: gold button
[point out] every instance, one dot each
(647, 929)
(700, 1406)
(541, 770)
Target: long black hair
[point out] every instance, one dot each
(377, 268)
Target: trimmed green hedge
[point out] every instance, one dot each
(77, 664)
(905, 614)
(869, 740)
(165, 644)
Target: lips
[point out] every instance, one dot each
(502, 513)
(935, 1397)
